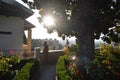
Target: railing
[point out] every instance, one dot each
(52, 56)
(47, 67)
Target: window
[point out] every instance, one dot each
(5, 32)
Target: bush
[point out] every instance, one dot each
(34, 69)
(61, 71)
(10, 65)
(22, 63)
(23, 74)
(7, 70)
(28, 71)
(106, 65)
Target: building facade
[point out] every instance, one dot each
(12, 24)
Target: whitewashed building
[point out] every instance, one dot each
(12, 25)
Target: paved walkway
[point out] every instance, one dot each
(47, 72)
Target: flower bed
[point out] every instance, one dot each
(106, 66)
(12, 65)
(8, 67)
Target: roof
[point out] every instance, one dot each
(13, 8)
(28, 25)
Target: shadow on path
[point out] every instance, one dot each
(47, 71)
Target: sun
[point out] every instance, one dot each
(48, 21)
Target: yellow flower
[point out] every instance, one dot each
(7, 59)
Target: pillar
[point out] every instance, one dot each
(29, 40)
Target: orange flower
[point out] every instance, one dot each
(118, 74)
(76, 72)
(67, 66)
(81, 75)
(110, 62)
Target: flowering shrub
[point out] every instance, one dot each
(6, 66)
(61, 72)
(6, 63)
(106, 66)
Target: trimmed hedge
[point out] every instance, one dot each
(34, 69)
(20, 65)
(61, 70)
(28, 71)
(23, 74)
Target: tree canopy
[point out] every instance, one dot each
(71, 15)
(84, 19)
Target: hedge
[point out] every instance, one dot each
(61, 70)
(28, 71)
(20, 65)
(34, 70)
(23, 74)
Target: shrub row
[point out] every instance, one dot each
(61, 70)
(34, 69)
(19, 65)
(28, 71)
(23, 74)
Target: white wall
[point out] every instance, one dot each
(12, 41)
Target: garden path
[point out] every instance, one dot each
(47, 71)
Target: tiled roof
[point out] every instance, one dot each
(28, 25)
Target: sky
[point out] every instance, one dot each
(39, 32)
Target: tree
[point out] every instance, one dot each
(84, 19)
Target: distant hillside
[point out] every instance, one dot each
(97, 42)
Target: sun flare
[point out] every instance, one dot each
(48, 21)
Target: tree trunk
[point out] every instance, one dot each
(86, 43)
